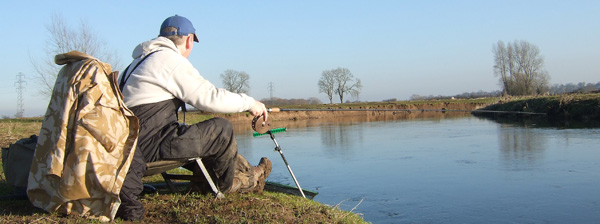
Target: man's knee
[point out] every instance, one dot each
(222, 129)
(224, 124)
(222, 137)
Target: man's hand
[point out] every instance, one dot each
(259, 109)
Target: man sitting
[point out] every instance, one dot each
(158, 82)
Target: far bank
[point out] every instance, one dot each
(367, 110)
(567, 107)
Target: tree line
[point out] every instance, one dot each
(581, 87)
(556, 89)
(339, 81)
(280, 102)
(465, 95)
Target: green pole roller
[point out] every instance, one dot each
(275, 130)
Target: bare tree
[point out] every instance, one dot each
(345, 83)
(520, 67)
(235, 81)
(502, 65)
(541, 84)
(327, 84)
(63, 39)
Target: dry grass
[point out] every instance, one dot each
(12, 130)
(267, 207)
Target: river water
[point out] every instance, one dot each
(461, 169)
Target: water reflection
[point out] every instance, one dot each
(341, 136)
(520, 147)
(537, 121)
(354, 118)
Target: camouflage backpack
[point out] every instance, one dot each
(86, 142)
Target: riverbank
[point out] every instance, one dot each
(581, 107)
(367, 110)
(558, 108)
(569, 110)
(268, 207)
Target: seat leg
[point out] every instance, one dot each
(168, 181)
(214, 188)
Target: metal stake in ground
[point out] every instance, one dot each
(262, 128)
(278, 149)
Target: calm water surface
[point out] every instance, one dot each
(453, 170)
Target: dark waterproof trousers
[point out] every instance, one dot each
(161, 137)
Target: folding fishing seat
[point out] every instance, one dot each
(195, 165)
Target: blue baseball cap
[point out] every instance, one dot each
(183, 25)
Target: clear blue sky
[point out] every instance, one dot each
(397, 48)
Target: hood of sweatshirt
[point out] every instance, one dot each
(159, 43)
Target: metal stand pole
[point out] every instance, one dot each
(278, 149)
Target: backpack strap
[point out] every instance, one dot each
(180, 105)
(127, 74)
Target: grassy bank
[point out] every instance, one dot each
(268, 207)
(196, 208)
